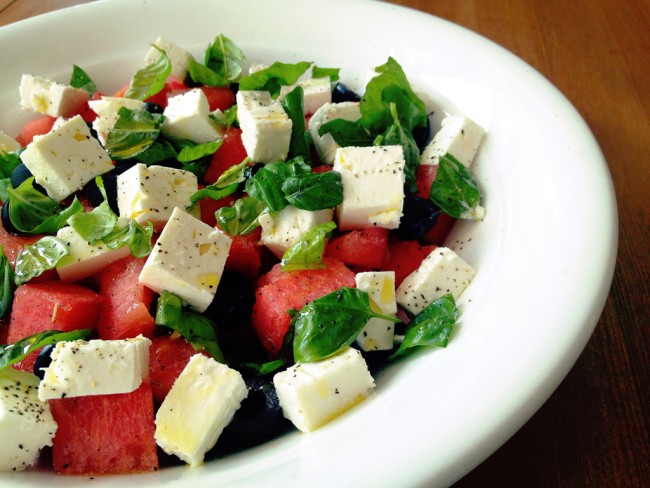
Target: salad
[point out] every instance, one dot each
(217, 253)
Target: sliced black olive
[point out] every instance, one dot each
(420, 215)
(342, 93)
(93, 132)
(233, 302)
(422, 134)
(153, 108)
(43, 360)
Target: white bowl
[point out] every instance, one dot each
(544, 254)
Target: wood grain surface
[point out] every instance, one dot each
(593, 431)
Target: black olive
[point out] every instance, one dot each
(342, 93)
(43, 360)
(20, 174)
(153, 108)
(234, 87)
(7, 224)
(94, 196)
(251, 171)
(233, 302)
(92, 130)
(420, 215)
(421, 135)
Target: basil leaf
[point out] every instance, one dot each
(293, 106)
(5, 186)
(225, 185)
(31, 212)
(455, 189)
(431, 327)
(273, 77)
(227, 117)
(159, 151)
(330, 323)
(198, 151)
(241, 218)
(225, 58)
(194, 327)
(261, 369)
(7, 285)
(94, 225)
(13, 353)
(346, 133)
(390, 85)
(133, 133)
(136, 236)
(267, 183)
(203, 75)
(34, 259)
(8, 163)
(151, 79)
(314, 191)
(80, 79)
(333, 73)
(307, 252)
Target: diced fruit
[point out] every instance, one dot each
(279, 291)
(244, 256)
(440, 231)
(105, 434)
(230, 153)
(367, 248)
(209, 206)
(36, 127)
(125, 311)
(12, 243)
(405, 257)
(424, 179)
(219, 97)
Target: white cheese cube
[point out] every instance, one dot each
(178, 57)
(373, 186)
(187, 116)
(312, 394)
(266, 128)
(281, 230)
(66, 158)
(8, 144)
(441, 272)
(316, 93)
(150, 193)
(458, 136)
(325, 145)
(96, 367)
(378, 333)
(51, 98)
(85, 259)
(107, 110)
(26, 423)
(187, 260)
(201, 403)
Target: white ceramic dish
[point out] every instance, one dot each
(544, 254)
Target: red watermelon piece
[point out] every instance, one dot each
(438, 234)
(12, 244)
(279, 291)
(105, 434)
(230, 153)
(36, 127)
(405, 257)
(424, 177)
(245, 255)
(367, 248)
(125, 311)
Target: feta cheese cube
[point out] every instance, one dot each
(26, 423)
(187, 116)
(266, 128)
(8, 144)
(312, 394)
(66, 158)
(178, 57)
(316, 93)
(48, 97)
(458, 136)
(325, 145)
(378, 333)
(441, 272)
(96, 367)
(150, 193)
(85, 259)
(201, 403)
(107, 110)
(281, 230)
(187, 260)
(373, 186)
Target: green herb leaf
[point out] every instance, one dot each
(330, 323)
(94, 225)
(151, 79)
(267, 183)
(347, 133)
(81, 80)
(227, 117)
(431, 327)
(225, 185)
(136, 236)
(8, 163)
(273, 77)
(198, 151)
(13, 353)
(34, 259)
(7, 285)
(133, 133)
(197, 329)
(261, 369)
(31, 212)
(455, 189)
(225, 58)
(160, 151)
(241, 218)
(293, 106)
(314, 191)
(307, 253)
(318, 72)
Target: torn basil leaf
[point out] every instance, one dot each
(33, 260)
(307, 253)
(7, 284)
(80, 79)
(241, 218)
(293, 106)
(151, 79)
(455, 190)
(133, 133)
(275, 76)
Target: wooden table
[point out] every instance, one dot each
(593, 431)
